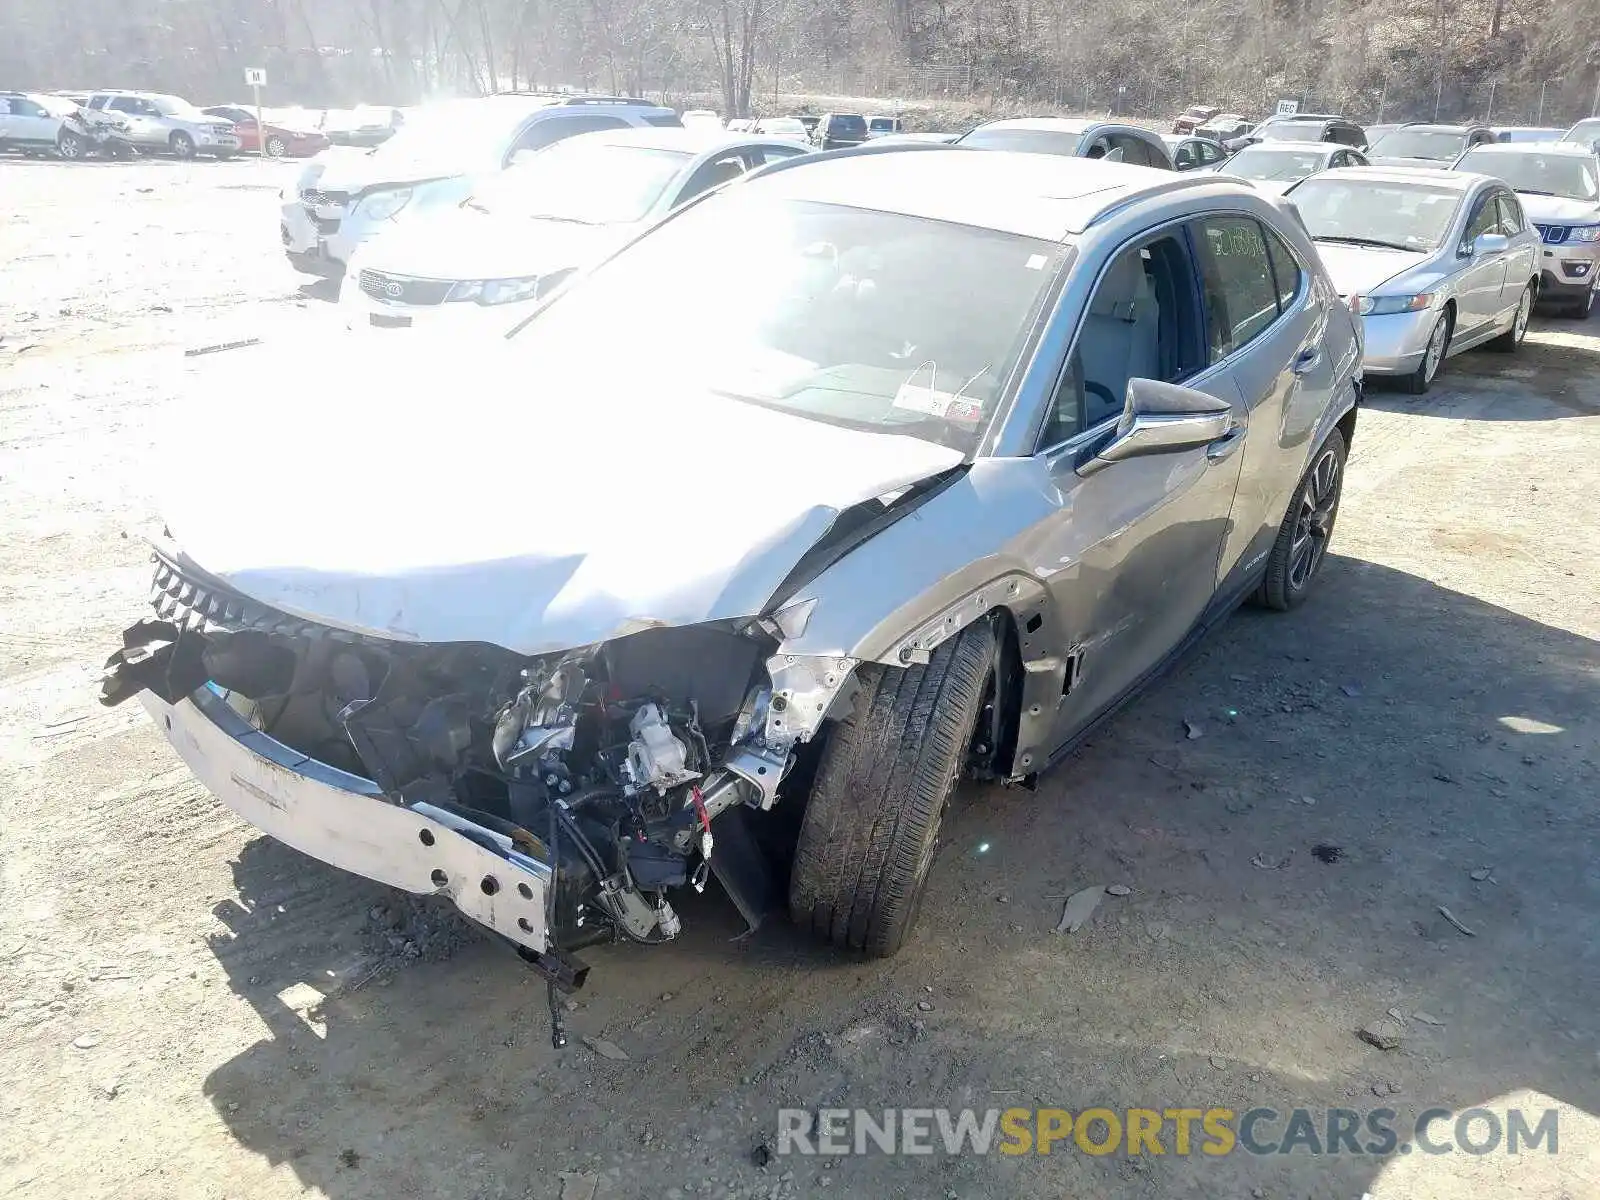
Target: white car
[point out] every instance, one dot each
(33, 123)
(523, 231)
(1277, 166)
(784, 127)
(346, 196)
(155, 121)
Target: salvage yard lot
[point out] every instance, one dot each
(191, 1010)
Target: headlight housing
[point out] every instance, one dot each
(380, 206)
(496, 291)
(1584, 233)
(1381, 306)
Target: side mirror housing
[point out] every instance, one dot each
(1490, 243)
(1159, 418)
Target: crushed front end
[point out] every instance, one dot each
(558, 800)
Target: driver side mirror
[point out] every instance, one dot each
(1158, 418)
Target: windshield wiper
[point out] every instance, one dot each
(562, 219)
(1531, 192)
(1361, 241)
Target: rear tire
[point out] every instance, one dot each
(1302, 545)
(1508, 341)
(182, 145)
(888, 770)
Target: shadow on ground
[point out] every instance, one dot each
(1434, 735)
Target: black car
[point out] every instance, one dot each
(837, 130)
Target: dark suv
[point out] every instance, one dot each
(837, 130)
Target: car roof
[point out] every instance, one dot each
(1419, 127)
(687, 141)
(1046, 196)
(1565, 149)
(1056, 124)
(1455, 181)
(1274, 147)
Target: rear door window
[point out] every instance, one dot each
(1241, 291)
(1511, 222)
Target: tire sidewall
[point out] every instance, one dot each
(72, 140)
(276, 147)
(182, 145)
(1278, 590)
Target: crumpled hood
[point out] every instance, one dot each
(1358, 270)
(1558, 210)
(465, 243)
(411, 495)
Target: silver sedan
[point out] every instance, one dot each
(1435, 262)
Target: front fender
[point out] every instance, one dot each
(957, 558)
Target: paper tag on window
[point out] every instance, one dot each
(947, 406)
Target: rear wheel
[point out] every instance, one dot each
(1420, 380)
(1307, 528)
(888, 770)
(181, 144)
(1508, 341)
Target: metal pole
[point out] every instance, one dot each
(1539, 120)
(1594, 105)
(1488, 118)
(261, 130)
(1383, 96)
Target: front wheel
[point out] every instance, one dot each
(1420, 380)
(889, 768)
(182, 145)
(69, 145)
(1307, 528)
(276, 147)
(1508, 341)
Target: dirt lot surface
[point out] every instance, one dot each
(191, 1010)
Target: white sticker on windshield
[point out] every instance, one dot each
(931, 402)
(1036, 262)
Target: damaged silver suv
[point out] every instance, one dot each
(916, 464)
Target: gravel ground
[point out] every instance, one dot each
(190, 1010)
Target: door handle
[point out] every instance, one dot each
(1306, 360)
(1226, 444)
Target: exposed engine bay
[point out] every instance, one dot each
(610, 764)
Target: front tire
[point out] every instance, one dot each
(276, 147)
(69, 146)
(182, 145)
(888, 770)
(1508, 341)
(1438, 348)
(1307, 528)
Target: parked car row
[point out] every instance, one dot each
(71, 125)
(1385, 228)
